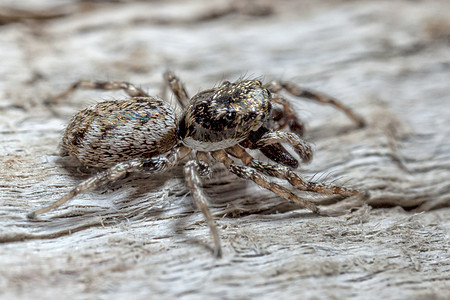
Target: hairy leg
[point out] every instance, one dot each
(250, 173)
(286, 173)
(300, 146)
(153, 165)
(287, 116)
(177, 87)
(129, 88)
(192, 171)
(297, 91)
(275, 152)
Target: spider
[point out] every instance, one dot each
(143, 134)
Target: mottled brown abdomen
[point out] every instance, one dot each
(116, 131)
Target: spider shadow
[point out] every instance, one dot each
(129, 203)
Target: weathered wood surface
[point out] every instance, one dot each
(388, 60)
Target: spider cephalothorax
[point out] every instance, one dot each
(141, 134)
(223, 117)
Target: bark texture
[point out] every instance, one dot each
(143, 237)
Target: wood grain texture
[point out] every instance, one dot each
(143, 236)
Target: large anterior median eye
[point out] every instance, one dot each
(230, 116)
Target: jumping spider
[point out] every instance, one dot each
(143, 134)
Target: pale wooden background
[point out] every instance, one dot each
(144, 238)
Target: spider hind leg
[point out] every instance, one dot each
(150, 166)
(129, 88)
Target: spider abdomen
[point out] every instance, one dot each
(115, 131)
(223, 117)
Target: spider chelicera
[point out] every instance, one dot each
(143, 134)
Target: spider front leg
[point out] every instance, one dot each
(300, 146)
(129, 88)
(286, 173)
(249, 173)
(192, 171)
(297, 91)
(286, 116)
(153, 165)
(275, 152)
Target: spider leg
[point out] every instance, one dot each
(250, 173)
(153, 165)
(300, 146)
(129, 88)
(192, 171)
(275, 152)
(287, 116)
(297, 91)
(279, 154)
(286, 173)
(177, 88)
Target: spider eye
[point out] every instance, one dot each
(251, 116)
(231, 115)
